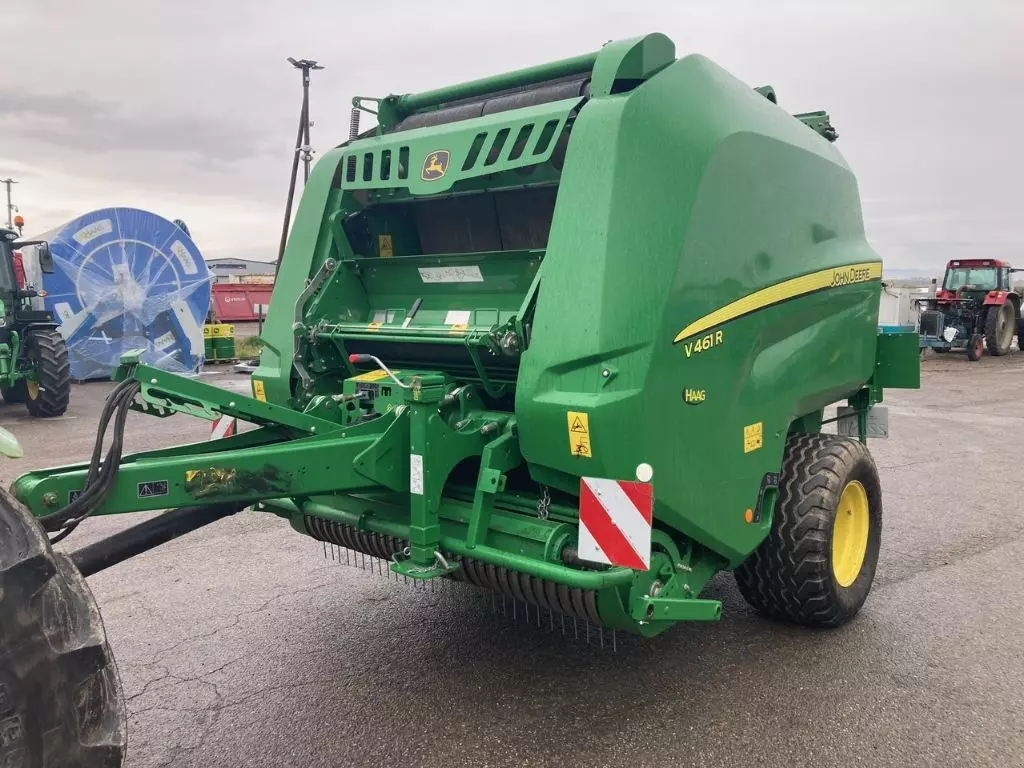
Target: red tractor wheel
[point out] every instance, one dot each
(1000, 324)
(975, 347)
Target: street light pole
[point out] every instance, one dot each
(10, 206)
(302, 146)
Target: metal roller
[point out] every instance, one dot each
(514, 98)
(546, 595)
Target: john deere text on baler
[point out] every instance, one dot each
(566, 333)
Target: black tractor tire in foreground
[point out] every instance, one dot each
(795, 575)
(49, 354)
(1000, 325)
(975, 347)
(61, 703)
(16, 394)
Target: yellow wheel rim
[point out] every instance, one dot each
(850, 534)
(33, 389)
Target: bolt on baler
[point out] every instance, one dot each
(568, 334)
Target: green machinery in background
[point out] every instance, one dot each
(34, 367)
(566, 333)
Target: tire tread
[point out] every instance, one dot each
(53, 372)
(788, 577)
(60, 696)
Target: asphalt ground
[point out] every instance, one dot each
(241, 645)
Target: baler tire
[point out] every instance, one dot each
(1000, 321)
(975, 347)
(791, 575)
(16, 394)
(61, 703)
(48, 350)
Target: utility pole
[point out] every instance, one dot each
(302, 147)
(11, 207)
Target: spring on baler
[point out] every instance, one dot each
(544, 594)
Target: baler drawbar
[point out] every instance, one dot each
(568, 334)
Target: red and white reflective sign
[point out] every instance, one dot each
(615, 522)
(223, 426)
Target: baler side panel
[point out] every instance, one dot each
(735, 196)
(310, 243)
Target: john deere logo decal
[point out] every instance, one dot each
(435, 165)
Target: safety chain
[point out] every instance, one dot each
(544, 504)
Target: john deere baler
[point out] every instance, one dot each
(567, 333)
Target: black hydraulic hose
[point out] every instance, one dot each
(102, 473)
(99, 483)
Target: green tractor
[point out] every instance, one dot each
(34, 367)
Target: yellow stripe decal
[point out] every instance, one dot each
(833, 277)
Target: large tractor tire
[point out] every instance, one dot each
(817, 564)
(50, 391)
(61, 704)
(1000, 325)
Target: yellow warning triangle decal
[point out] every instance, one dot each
(577, 426)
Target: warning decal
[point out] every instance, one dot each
(615, 522)
(258, 390)
(223, 426)
(753, 437)
(579, 434)
(152, 488)
(373, 375)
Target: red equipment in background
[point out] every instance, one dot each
(19, 269)
(239, 302)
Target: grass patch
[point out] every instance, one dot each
(248, 347)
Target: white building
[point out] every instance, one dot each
(223, 269)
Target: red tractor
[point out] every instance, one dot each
(974, 309)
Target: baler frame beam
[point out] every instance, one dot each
(164, 393)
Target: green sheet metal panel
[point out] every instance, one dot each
(678, 199)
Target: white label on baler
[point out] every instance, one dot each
(458, 317)
(416, 473)
(94, 230)
(451, 275)
(63, 311)
(164, 341)
(187, 262)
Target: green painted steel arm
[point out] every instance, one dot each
(164, 393)
(283, 469)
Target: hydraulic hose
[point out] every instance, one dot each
(102, 474)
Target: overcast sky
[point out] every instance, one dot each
(189, 109)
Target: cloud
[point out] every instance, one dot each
(82, 123)
(189, 109)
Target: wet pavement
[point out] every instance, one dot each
(243, 645)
